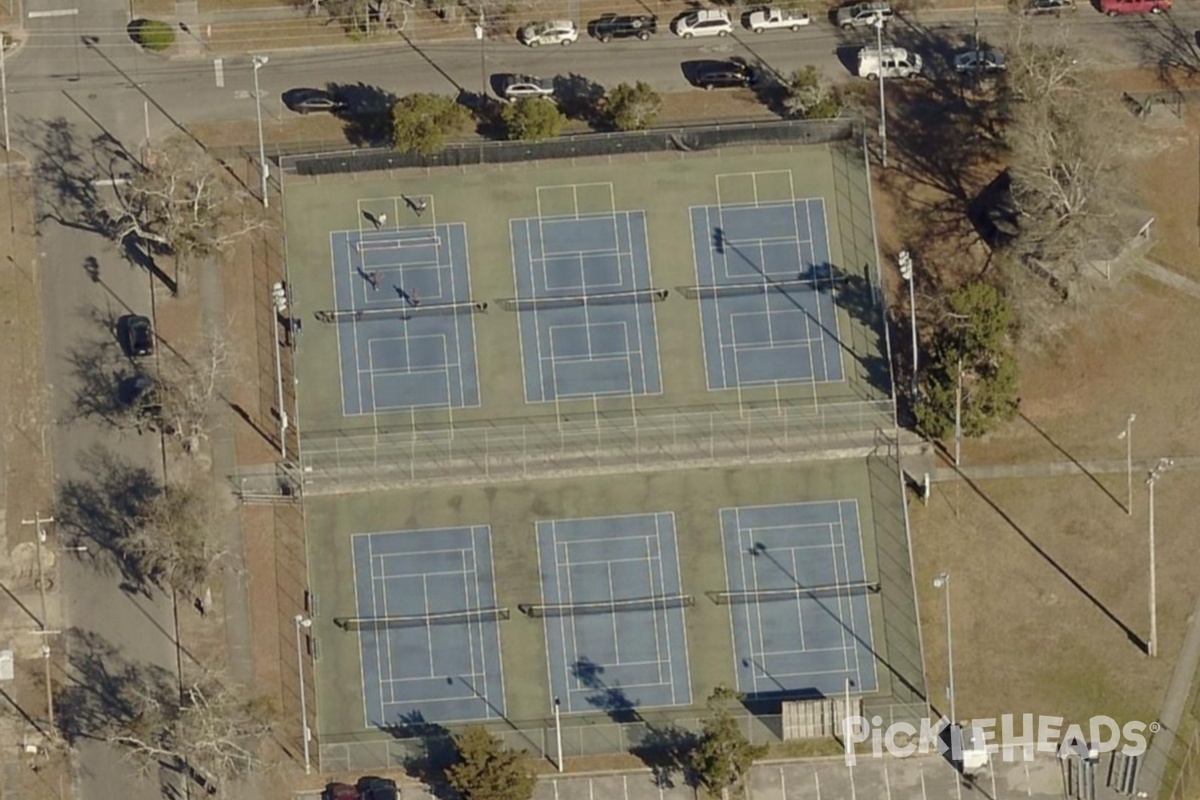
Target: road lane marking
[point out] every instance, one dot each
(61, 12)
(219, 69)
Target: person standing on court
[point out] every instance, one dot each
(382, 218)
(420, 206)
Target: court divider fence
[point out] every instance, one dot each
(650, 733)
(581, 145)
(603, 441)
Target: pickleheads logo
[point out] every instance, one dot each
(1014, 737)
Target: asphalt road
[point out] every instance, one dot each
(56, 63)
(66, 93)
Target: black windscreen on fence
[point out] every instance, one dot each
(576, 146)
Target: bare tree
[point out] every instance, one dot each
(1065, 137)
(187, 391)
(175, 540)
(183, 203)
(212, 730)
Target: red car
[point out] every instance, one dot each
(1118, 7)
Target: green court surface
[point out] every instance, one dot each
(486, 199)
(676, 448)
(694, 497)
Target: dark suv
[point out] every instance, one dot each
(733, 73)
(613, 26)
(135, 334)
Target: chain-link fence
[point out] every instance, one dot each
(650, 733)
(656, 140)
(336, 461)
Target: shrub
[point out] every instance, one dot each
(532, 119)
(421, 121)
(152, 34)
(808, 96)
(633, 108)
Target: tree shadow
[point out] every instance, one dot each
(580, 98)
(1164, 46)
(486, 109)
(69, 168)
(612, 700)
(107, 508)
(667, 752)
(366, 113)
(98, 696)
(431, 751)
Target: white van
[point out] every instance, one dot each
(890, 62)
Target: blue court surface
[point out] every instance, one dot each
(790, 643)
(602, 346)
(768, 315)
(413, 670)
(608, 660)
(407, 348)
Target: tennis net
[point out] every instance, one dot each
(422, 310)
(467, 617)
(397, 242)
(793, 593)
(584, 300)
(656, 603)
(757, 287)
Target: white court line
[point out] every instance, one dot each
(605, 539)
(334, 272)
(678, 576)
(362, 666)
(869, 637)
(512, 245)
(486, 533)
(666, 612)
(474, 333)
(566, 594)
(847, 623)
(712, 260)
(653, 315)
(612, 593)
(474, 629)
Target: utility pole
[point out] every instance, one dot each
(1127, 435)
(958, 416)
(1163, 465)
(4, 91)
(904, 259)
(882, 109)
(259, 62)
(558, 753)
(303, 623)
(43, 629)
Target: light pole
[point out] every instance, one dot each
(303, 622)
(942, 581)
(1127, 435)
(558, 754)
(259, 62)
(906, 272)
(4, 90)
(882, 110)
(1163, 465)
(481, 34)
(279, 304)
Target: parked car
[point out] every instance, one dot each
(372, 788)
(514, 87)
(769, 19)
(703, 22)
(306, 101)
(1115, 8)
(733, 73)
(339, 791)
(979, 61)
(626, 26)
(136, 335)
(558, 31)
(889, 62)
(861, 15)
(1037, 8)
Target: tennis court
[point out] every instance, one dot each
(798, 596)
(765, 284)
(403, 313)
(427, 625)
(583, 290)
(613, 612)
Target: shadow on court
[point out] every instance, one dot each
(854, 295)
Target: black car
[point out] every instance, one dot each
(372, 788)
(629, 26)
(732, 74)
(136, 335)
(306, 101)
(1037, 8)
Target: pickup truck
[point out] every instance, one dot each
(766, 19)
